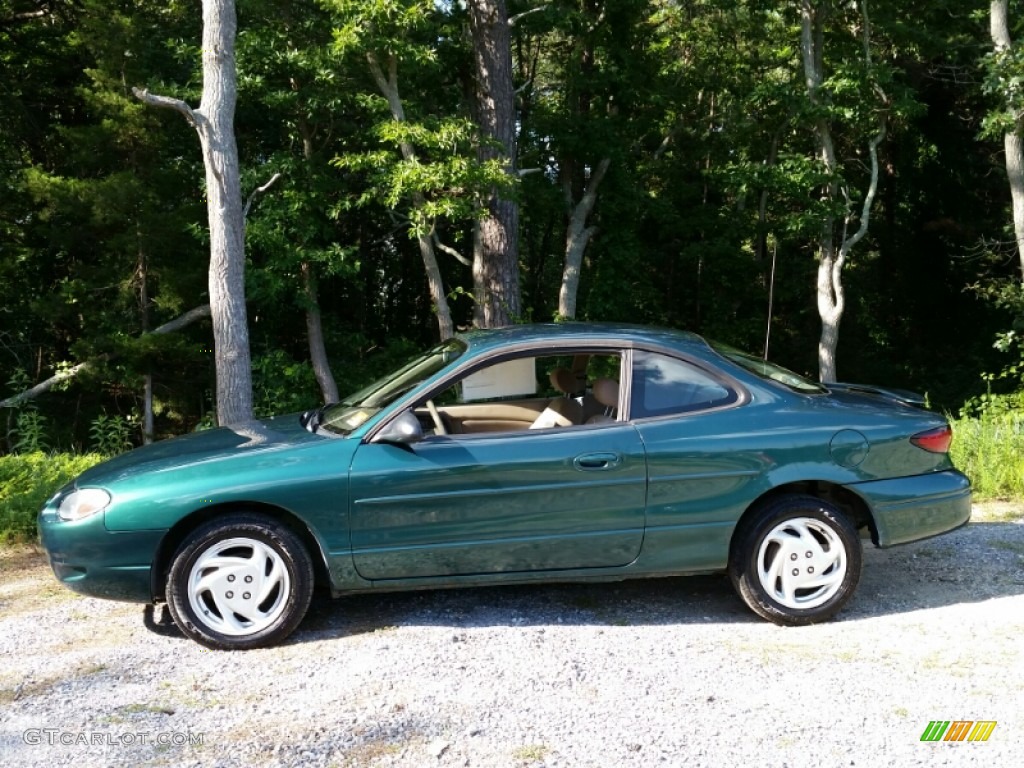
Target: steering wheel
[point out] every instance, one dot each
(439, 427)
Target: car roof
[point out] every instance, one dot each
(568, 333)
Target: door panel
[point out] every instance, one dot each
(514, 502)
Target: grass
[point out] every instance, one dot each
(27, 481)
(371, 751)
(990, 451)
(530, 752)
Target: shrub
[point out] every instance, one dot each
(31, 431)
(988, 450)
(110, 435)
(27, 481)
(282, 385)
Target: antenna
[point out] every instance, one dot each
(771, 298)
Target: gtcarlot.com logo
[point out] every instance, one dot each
(55, 736)
(958, 730)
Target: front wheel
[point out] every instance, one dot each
(239, 582)
(796, 561)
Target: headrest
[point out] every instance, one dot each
(564, 381)
(606, 392)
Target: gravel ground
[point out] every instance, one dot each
(673, 672)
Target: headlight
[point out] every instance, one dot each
(83, 503)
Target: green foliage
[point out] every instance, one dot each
(713, 187)
(987, 448)
(282, 385)
(445, 174)
(366, 362)
(31, 432)
(1004, 391)
(990, 430)
(1007, 296)
(399, 27)
(110, 435)
(27, 481)
(1004, 81)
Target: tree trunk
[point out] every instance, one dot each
(496, 237)
(214, 122)
(388, 85)
(142, 276)
(315, 333)
(832, 258)
(577, 236)
(830, 296)
(831, 303)
(314, 320)
(999, 26)
(224, 207)
(147, 409)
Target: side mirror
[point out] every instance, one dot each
(404, 429)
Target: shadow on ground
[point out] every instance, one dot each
(980, 562)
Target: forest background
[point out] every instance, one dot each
(763, 173)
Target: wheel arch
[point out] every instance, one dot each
(848, 502)
(181, 530)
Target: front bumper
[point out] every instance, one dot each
(93, 561)
(910, 508)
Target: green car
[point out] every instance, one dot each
(568, 452)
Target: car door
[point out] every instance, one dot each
(705, 458)
(516, 502)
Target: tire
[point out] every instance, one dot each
(238, 582)
(796, 561)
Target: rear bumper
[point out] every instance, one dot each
(910, 508)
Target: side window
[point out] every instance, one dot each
(663, 386)
(528, 394)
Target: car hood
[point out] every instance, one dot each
(202, 448)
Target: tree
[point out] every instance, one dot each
(214, 122)
(425, 239)
(382, 35)
(715, 180)
(105, 201)
(67, 374)
(577, 235)
(437, 172)
(496, 239)
(1005, 80)
(589, 99)
(833, 249)
(295, 107)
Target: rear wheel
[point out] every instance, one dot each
(796, 561)
(239, 582)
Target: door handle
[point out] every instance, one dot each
(590, 462)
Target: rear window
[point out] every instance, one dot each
(768, 370)
(663, 386)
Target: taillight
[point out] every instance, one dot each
(934, 440)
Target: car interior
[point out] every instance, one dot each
(527, 393)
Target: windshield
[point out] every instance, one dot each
(768, 370)
(354, 410)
